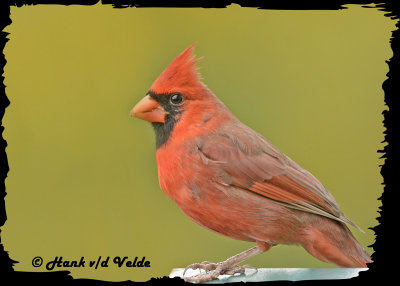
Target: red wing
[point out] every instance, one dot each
(245, 159)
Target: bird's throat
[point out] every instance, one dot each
(163, 130)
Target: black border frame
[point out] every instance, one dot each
(385, 246)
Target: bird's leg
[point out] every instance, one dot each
(229, 266)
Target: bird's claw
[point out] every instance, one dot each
(213, 270)
(251, 267)
(205, 265)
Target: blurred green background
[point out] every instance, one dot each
(83, 177)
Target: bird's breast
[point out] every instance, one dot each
(177, 168)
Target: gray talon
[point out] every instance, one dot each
(213, 270)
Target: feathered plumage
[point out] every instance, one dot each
(230, 179)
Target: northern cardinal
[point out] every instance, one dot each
(231, 180)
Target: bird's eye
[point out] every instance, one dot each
(176, 98)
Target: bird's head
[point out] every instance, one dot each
(177, 95)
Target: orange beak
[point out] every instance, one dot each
(150, 110)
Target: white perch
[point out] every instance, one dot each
(275, 274)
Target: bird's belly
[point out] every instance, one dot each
(236, 225)
(241, 215)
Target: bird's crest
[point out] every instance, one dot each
(181, 74)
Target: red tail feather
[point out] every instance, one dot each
(333, 242)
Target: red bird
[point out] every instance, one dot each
(231, 180)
